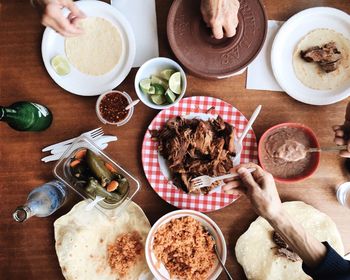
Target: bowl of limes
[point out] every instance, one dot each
(160, 83)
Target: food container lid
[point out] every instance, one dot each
(204, 56)
(61, 172)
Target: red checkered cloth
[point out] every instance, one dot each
(164, 188)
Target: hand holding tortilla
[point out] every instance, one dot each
(280, 245)
(221, 16)
(53, 17)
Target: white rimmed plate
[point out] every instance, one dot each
(77, 82)
(285, 43)
(158, 269)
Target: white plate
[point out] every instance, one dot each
(285, 43)
(77, 82)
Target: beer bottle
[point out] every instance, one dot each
(26, 116)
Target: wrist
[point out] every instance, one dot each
(276, 218)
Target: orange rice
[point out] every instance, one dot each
(124, 252)
(185, 249)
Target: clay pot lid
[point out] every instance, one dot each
(206, 57)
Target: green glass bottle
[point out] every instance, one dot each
(26, 116)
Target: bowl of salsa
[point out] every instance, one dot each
(111, 108)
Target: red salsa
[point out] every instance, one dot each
(112, 107)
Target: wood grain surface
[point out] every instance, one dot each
(27, 250)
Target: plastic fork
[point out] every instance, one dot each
(206, 181)
(238, 143)
(90, 134)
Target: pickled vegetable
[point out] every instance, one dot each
(98, 168)
(97, 177)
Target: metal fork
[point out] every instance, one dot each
(206, 181)
(91, 134)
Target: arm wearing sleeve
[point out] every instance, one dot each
(333, 266)
(320, 261)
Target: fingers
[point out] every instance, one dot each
(345, 154)
(247, 179)
(75, 12)
(231, 185)
(337, 127)
(217, 31)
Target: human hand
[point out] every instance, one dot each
(342, 137)
(260, 188)
(221, 16)
(53, 17)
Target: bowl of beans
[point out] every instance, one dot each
(111, 108)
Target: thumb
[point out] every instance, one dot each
(247, 179)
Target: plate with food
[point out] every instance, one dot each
(180, 245)
(311, 58)
(91, 246)
(194, 137)
(96, 61)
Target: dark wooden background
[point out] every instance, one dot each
(27, 250)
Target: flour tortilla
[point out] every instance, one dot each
(259, 261)
(82, 239)
(98, 50)
(310, 74)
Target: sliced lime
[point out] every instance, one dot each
(60, 64)
(166, 74)
(158, 99)
(159, 89)
(145, 85)
(159, 81)
(170, 96)
(151, 90)
(175, 83)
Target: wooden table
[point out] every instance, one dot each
(27, 250)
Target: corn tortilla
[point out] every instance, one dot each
(98, 50)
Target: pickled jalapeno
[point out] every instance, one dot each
(97, 177)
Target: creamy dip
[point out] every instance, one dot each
(284, 154)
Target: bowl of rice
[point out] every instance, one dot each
(180, 245)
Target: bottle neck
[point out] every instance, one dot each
(6, 113)
(22, 213)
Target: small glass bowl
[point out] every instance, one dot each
(99, 115)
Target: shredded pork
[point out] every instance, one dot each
(196, 147)
(328, 57)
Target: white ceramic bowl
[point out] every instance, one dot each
(159, 271)
(122, 122)
(153, 67)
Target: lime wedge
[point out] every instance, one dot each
(175, 83)
(166, 74)
(158, 99)
(60, 64)
(159, 89)
(151, 90)
(145, 85)
(170, 96)
(159, 81)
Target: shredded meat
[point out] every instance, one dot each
(124, 252)
(328, 57)
(283, 249)
(196, 147)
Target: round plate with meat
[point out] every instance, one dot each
(206, 128)
(311, 58)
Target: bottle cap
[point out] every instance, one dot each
(21, 214)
